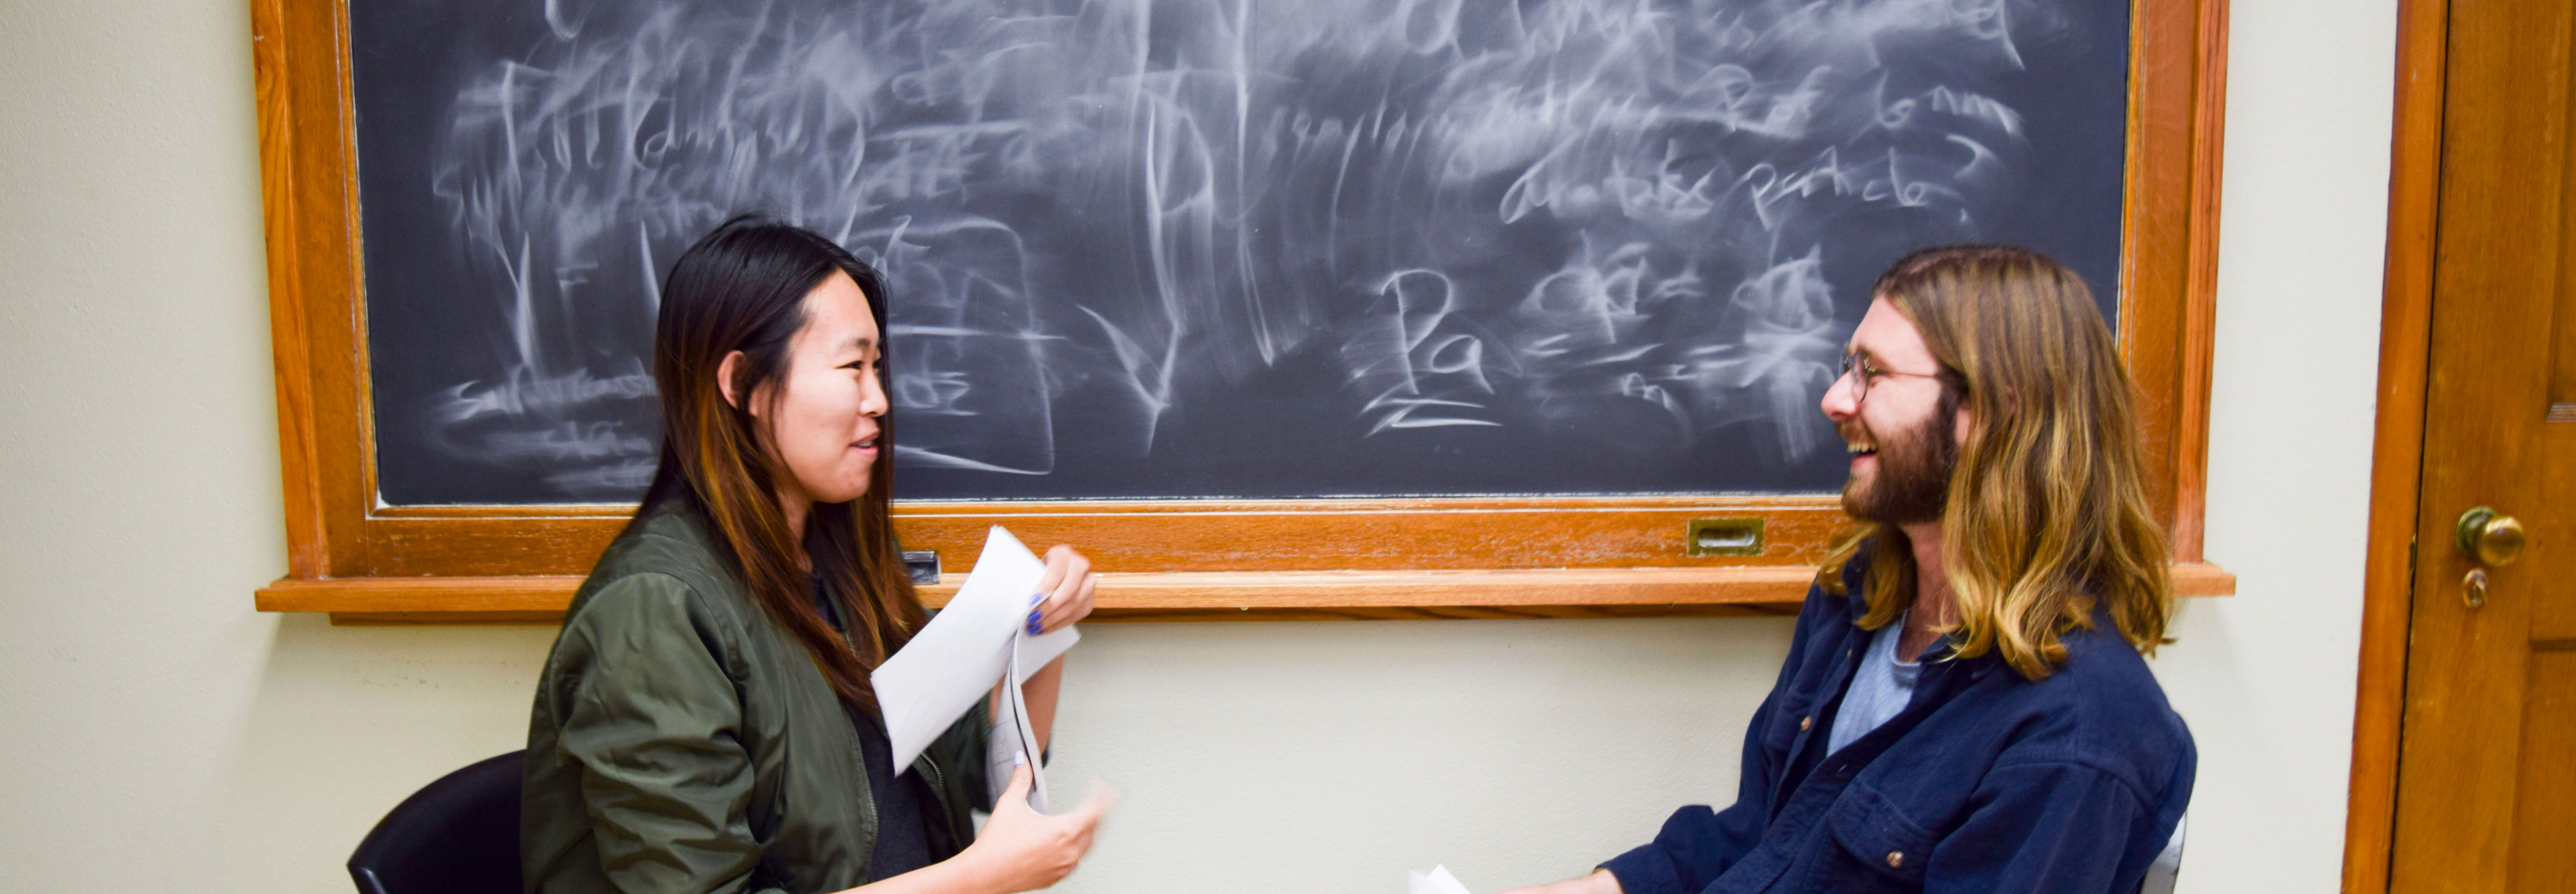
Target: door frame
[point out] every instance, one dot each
(2397, 450)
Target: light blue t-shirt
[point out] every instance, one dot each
(1880, 688)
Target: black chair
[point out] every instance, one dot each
(459, 835)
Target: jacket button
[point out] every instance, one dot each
(1805, 722)
(1895, 859)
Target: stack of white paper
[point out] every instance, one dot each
(956, 659)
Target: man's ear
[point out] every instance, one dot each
(733, 361)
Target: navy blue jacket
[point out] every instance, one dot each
(1986, 782)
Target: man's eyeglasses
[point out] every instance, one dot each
(1866, 371)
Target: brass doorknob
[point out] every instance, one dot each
(2494, 537)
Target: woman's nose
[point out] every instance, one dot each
(872, 395)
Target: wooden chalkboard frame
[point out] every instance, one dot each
(1173, 560)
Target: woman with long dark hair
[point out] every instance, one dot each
(705, 723)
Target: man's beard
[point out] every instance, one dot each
(1913, 481)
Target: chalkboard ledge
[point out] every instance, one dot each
(1197, 596)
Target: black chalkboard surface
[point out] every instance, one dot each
(1186, 248)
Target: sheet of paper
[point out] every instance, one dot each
(1015, 741)
(952, 664)
(1437, 881)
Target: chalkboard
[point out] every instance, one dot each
(1259, 248)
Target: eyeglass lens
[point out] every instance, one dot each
(1859, 373)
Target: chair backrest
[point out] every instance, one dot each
(2168, 865)
(459, 835)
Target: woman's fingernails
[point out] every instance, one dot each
(1033, 623)
(1033, 600)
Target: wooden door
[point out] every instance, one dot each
(2486, 797)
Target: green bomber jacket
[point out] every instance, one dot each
(682, 742)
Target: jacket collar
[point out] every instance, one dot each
(1856, 593)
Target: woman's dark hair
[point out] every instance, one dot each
(742, 288)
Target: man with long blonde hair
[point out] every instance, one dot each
(1965, 706)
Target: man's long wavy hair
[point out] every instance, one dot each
(2047, 517)
(742, 288)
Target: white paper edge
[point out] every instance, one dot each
(919, 688)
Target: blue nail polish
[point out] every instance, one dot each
(1033, 600)
(1033, 628)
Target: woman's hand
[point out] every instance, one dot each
(1021, 849)
(1065, 590)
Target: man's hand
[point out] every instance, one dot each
(1021, 849)
(1599, 882)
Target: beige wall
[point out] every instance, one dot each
(162, 734)
(2266, 678)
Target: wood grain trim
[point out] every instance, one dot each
(298, 441)
(308, 189)
(2397, 451)
(1319, 535)
(295, 418)
(335, 530)
(1173, 596)
(2190, 440)
(2196, 580)
(2169, 275)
